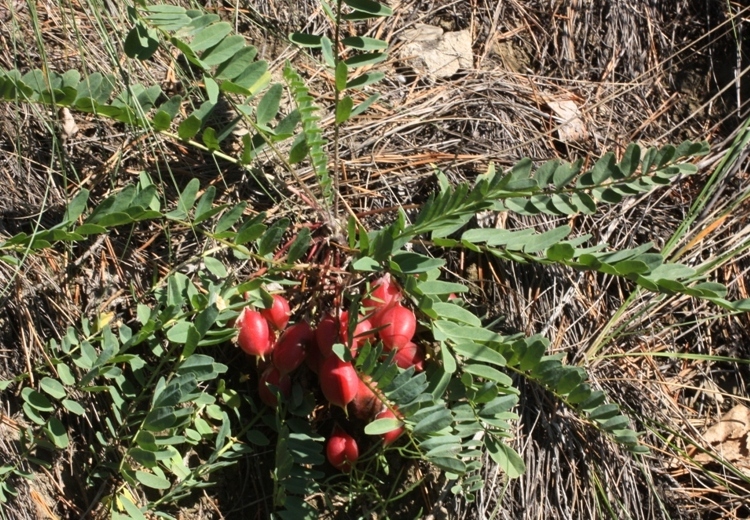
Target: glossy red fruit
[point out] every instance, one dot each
(292, 346)
(361, 334)
(410, 355)
(339, 381)
(384, 294)
(391, 436)
(327, 334)
(278, 314)
(255, 336)
(342, 450)
(365, 404)
(399, 325)
(273, 376)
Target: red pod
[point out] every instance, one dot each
(327, 334)
(313, 358)
(339, 381)
(278, 314)
(291, 348)
(255, 336)
(271, 375)
(361, 334)
(410, 355)
(342, 450)
(391, 436)
(365, 403)
(384, 294)
(399, 325)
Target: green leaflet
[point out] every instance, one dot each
(268, 106)
(313, 135)
(369, 7)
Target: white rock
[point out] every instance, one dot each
(431, 52)
(570, 120)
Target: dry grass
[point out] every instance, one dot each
(652, 72)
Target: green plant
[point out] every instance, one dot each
(158, 373)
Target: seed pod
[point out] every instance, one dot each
(255, 336)
(342, 450)
(399, 325)
(327, 334)
(273, 376)
(365, 403)
(339, 381)
(385, 293)
(410, 355)
(278, 314)
(292, 346)
(361, 334)
(313, 357)
(391, 436)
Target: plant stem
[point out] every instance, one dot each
(336, 124)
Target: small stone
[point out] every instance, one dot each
(435, 53)
(567, 115)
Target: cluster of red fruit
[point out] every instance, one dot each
(385, 318)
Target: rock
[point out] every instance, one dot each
(434, 53)
(568, 116)
(730, 438)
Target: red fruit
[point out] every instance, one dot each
(342, 450)
(278, 314)
(365, 403)
(339, 381)
(410, 355)
(361, 334)
(314, 358)
(327, 334)
(291, 348)
(391, 436)
(272, 376)
(399, 325)
(255, 336)
(384, 294)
